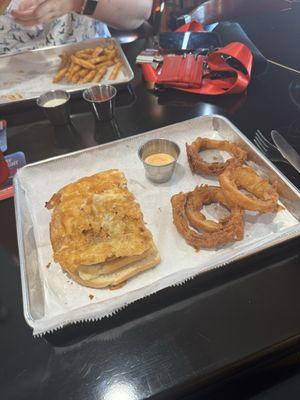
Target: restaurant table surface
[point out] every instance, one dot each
(222, 334)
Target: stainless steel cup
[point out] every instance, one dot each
(57, 114)
(102, 99)
(159, 173)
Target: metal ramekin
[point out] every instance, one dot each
(159, 173)
(58, 115)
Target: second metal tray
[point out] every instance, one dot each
(26, 75)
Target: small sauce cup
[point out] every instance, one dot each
(159, 173)
(56, 106)
(102, 99)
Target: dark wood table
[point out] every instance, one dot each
(225, 329)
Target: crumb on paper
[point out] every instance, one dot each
(48, 265)
(159, 209)
(91, 297)
(12, 97)
(7, 84)
(215, 158)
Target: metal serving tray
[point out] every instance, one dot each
(32, 286)
(25, 75)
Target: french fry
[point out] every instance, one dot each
(75, 69)
(63, 68)
(84, 56)
(82, 63)
(60, 75)
(108, 63)
(68, 62)
(110, 47)
(112, 54)
(115, 71)
(69, 66)
(89, 77)
(100, 74)
(76, 76)
(64, 60)
(98, 50)
(97, 60)
(84, 52)
(69, 71)
(83, 72)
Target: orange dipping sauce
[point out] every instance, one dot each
(159, 159)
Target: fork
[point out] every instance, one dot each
(267, 148)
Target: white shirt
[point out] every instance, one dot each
(69, 28)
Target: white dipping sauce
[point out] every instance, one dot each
(54, 102)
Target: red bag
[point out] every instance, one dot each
(182, 72)
(4, 170)
(218, 75)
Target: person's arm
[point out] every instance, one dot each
(120, 14)
(123, 14)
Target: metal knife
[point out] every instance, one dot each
(286, 150)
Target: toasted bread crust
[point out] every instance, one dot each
(121, 276)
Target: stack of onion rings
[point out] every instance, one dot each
(257, 194)
(261, 196)
(201, 167)
(186, 211)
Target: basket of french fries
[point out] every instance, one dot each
(89, 65)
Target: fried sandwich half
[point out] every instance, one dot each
(97, 231)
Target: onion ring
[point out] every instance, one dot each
(199, 166)
(203, 195)
(193, 238)
(262, 195)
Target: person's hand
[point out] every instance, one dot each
(36, 12)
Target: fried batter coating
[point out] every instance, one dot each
(193, 238)
(203, 195)
(96, 219)
(89, 185)
(261, 196)
(201, 167)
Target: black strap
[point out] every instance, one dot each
(90, 7)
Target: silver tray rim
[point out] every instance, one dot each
(24, 281)
(281, 237)
(73, 90)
